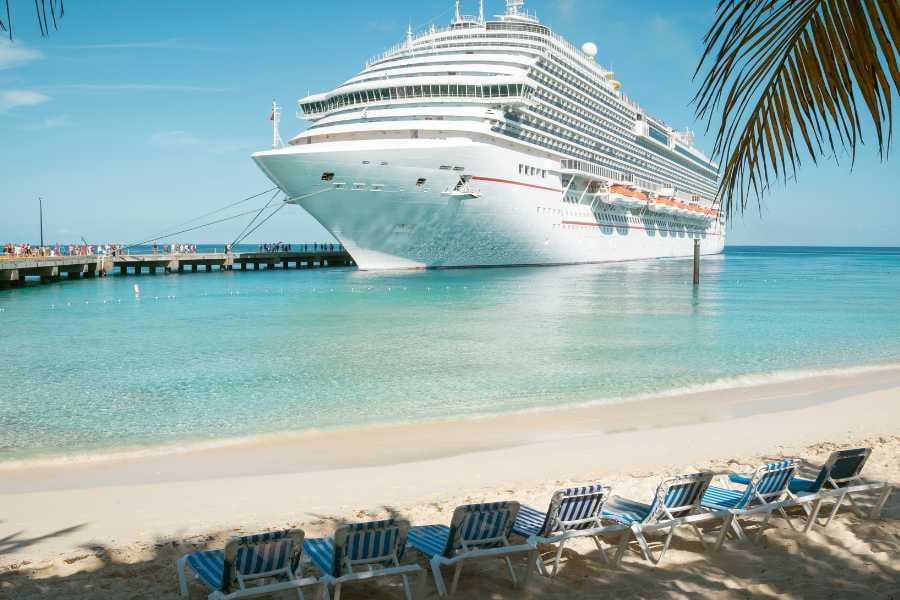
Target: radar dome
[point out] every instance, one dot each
(589, 48)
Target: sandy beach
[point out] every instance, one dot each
(112, 528)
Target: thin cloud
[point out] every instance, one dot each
(169, 44)
(175, 138)
(16, 55)
(12, 99)
(566, 8)
(162, 44)
(183, 138)
(47, 123)
(137, 87)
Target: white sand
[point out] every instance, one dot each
(113, 528)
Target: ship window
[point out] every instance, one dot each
(359, 186)
(445, 167)
(420, 182)
(471, 90)
(327, 176)
(459, 168)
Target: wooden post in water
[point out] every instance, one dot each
(696, 261)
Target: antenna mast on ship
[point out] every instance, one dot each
(276, 119)
(514, 7)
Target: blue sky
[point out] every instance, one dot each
(137, 116)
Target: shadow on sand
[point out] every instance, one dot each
(855, 557)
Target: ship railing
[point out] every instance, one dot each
(587, 168)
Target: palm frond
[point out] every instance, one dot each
(57, 11)
(784, 80)
(7, 26)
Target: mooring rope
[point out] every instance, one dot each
(260, 224)
(284, 203)
(204, 215)
(161, 237)
(238, 237)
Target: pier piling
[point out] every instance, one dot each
(696, 262)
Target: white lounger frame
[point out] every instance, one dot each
(561, 539)
(838, 495)
(474, 553)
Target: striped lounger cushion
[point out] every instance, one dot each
(625, 511)
(724, 498)
(529, 522)
(209, 567)
(360, 541)
(430, 540)
(321, 552)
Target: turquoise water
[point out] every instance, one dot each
(86, 367)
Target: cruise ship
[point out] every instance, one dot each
(495, 142)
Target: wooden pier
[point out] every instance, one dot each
(15, 271)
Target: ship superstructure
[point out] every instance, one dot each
(495, 142)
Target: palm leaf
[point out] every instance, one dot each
(784, 80)
(40, 9)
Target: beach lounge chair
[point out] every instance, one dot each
(573, 512)
(362, 551)
(675, 504)
(475, 531)
(839, 478)
(763, 493)
(250, 559)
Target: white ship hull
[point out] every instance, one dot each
(375, 208)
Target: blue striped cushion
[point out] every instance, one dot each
(777, 478)
(321, 552)
(430, 540)
(684, 494)
(716, 497)
(529, 522)
(262, 553)
(476, 522)
(679, 495)
(209, 566)
(625, 511)
(371, 540)
(576, 504)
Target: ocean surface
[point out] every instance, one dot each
(87, 367)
